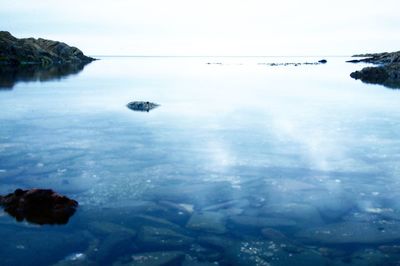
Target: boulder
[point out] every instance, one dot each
(142, 106)
(39, 206)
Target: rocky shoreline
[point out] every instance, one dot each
(30, 51)
(386, 73)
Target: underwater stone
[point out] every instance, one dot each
(301, 213)
(212, 222)
(154, 259)
(151, 237)
(352, 232)
(273, 234)
(216, 241)
(110, 228)
(33, 246)
(190, 261)
(113, 246)
(260, 222)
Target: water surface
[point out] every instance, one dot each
(242, 164)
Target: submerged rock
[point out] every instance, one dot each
(261, 222)
(106, 228)
(142, 106)
(39, 206)
(114, 246)
(153, 237)
(386, 74)
(154, 259)
(213, 222)
(352, 232)
(33, 246)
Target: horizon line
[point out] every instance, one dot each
(238, 56)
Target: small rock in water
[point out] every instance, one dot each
(142, 106)
(39, 206)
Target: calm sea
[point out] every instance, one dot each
(242, 163)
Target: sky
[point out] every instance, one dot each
(209, 27)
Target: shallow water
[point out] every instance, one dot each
(242, 164)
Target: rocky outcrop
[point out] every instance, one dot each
(16, 52)
(378, 58)
(387, 72)
(39, 206)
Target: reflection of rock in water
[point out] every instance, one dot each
(39, 206)
(10, 75)
(142, 106)
(30, 59)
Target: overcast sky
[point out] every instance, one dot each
(209, 27)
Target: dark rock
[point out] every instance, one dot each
(37, 59)
(142, 106)
(386, 74)
(15, 51)
(39, 206)
(323, 61)
(378, 58)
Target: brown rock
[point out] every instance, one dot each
(39, 206)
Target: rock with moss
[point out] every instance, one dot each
(14, 51)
